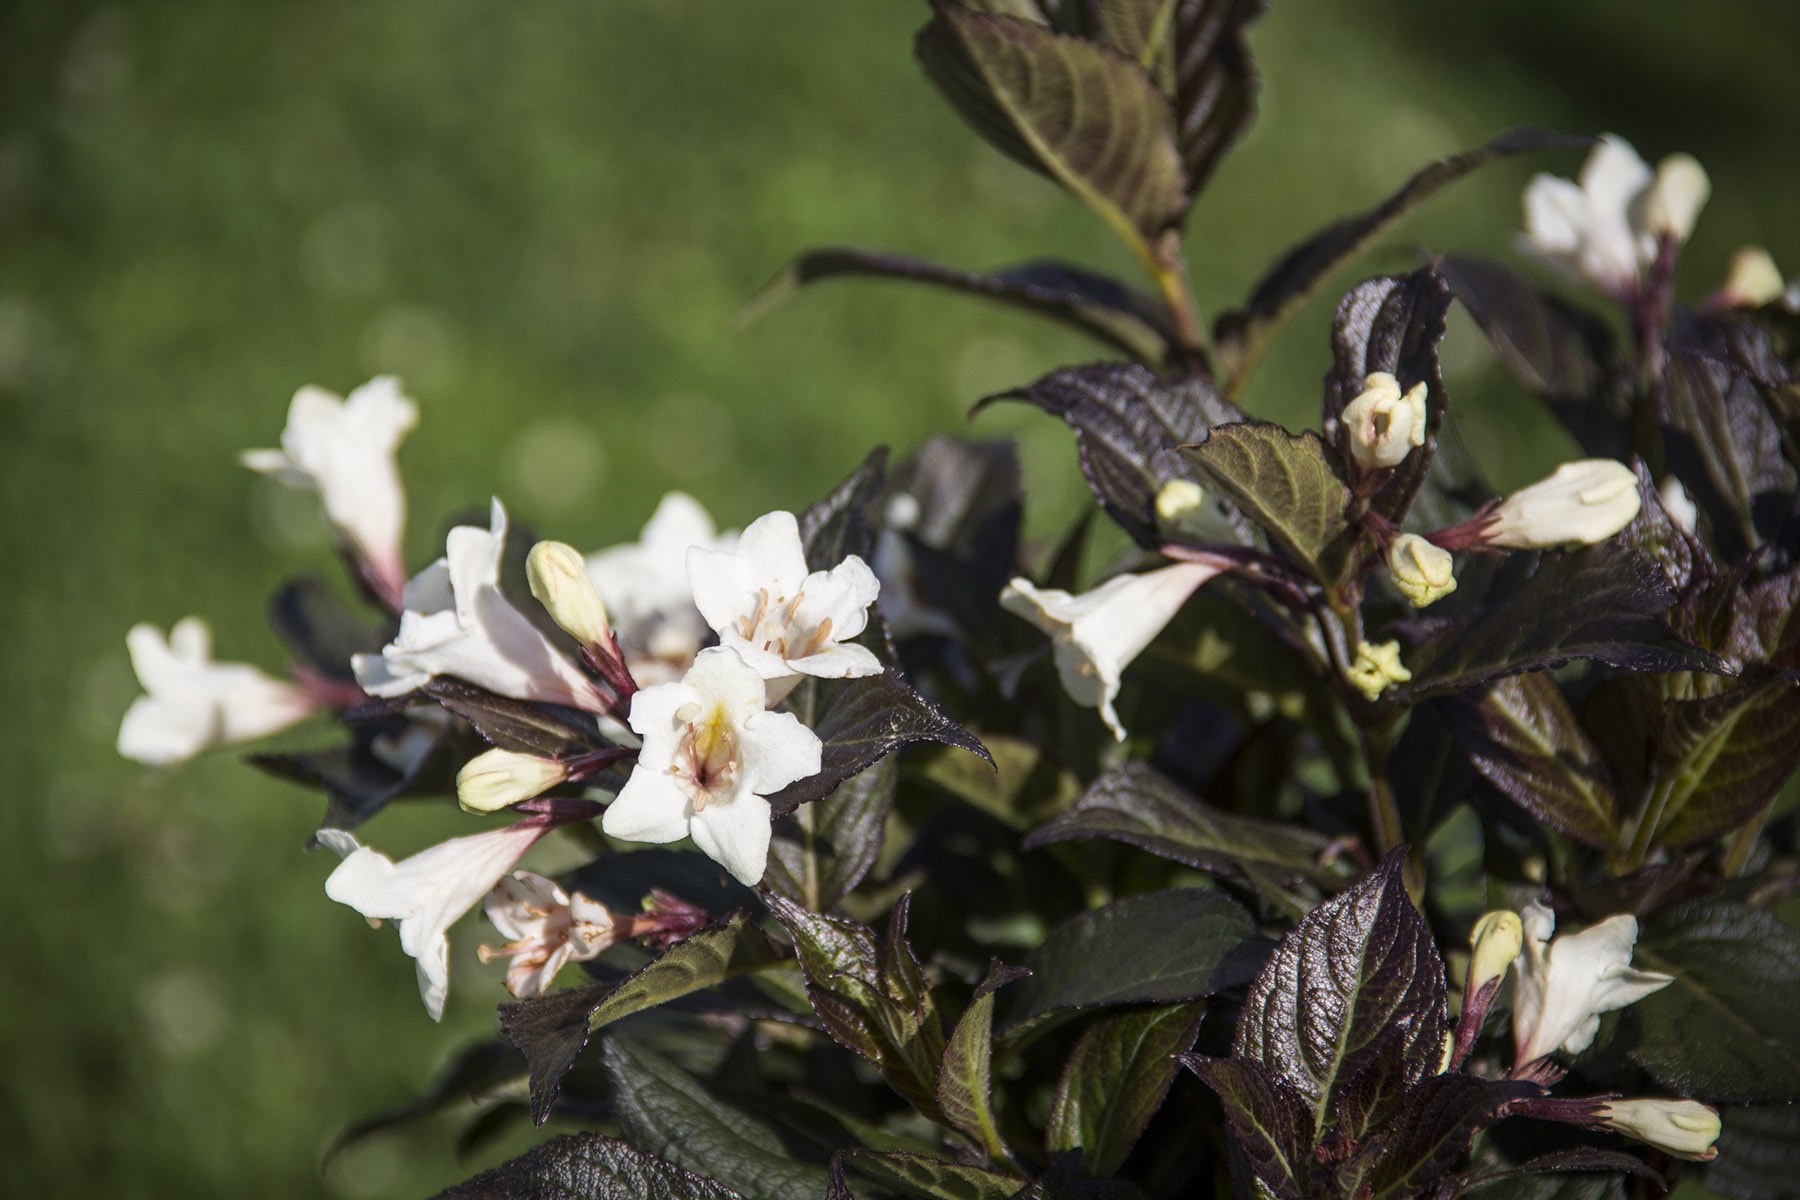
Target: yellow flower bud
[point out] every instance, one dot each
(502, 778)
(1676, 196)
(1377, 667)
(1754, 280)
(1497, 940)
(1383, 424)
(1424, 572)
(1178, 502)
(559, 579)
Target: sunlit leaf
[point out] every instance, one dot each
(1116, 1079)
(1291, 485)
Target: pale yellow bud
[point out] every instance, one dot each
(1754, 280)
(1377, 667)
(1676, 196)
(1424, 572)
(502, 778)
(1383, 424)
(1178, 502)
(1497, 940)
(1585, 501)
(559, 579)
(1684, 1128)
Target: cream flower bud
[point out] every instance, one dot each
(1384, 424)
(1178, 502)
(1497, 940)
(1377, 667)
(1675, 197)
(502, 778)
(1683, 1128)
(559, 579)
(1424, 572)
(1753, 280)
(1584, 501)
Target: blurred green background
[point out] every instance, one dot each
(543, 216)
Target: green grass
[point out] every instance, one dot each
(544, 216)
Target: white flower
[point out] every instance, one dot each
(427, 892)
(1377, 668)
(501, 778)
(712, 754)
(1678, 504)
(1423, 572)
(1560, 988)
(785, 621)
(1605, 229)
(1383, 424)
(1684, 1128)
(457, 622)
(549, 928)
(1096, 634)
(1752, 281)
(192, 702)
(645, 587)
(1584, 501)
(344, 450)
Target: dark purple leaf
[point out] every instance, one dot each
(839, 525)
(1116, 1079)
(587, 1166)
(1271, 1122)
(1429, 1134)
(544, 730)
(1721, 759)
(820, 851)
(321, 629)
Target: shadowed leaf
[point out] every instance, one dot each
(587, 1166)
(922, 1178)
(1269, 1119)
(1721, 759)
(544, 730)
(1429, 1134)
(1116, 1079)
(819, 852)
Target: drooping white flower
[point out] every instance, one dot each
(1585, 501)
(1096, 634)
(457, 622)
(1605, 229)
(1377, 668)
(1424, 573)
(645, 587)
(548, 928)
(344, 450)
(784, 620)
(712, 753)
(1560, 988)
(427, 892)
(1383, 424)
(1684, 1128)
(192, 703)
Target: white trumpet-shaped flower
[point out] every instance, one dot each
(456, 621)
(192, 703)
(548, 927)
(1585, 501)
(1605, 229)
(784, 620)
(344, 450)
(1096, 634)
(1561, 987)
(1684, 1128)
(645, 588)
(1383, 423)
(712, 754)
(426, 893)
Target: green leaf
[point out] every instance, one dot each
(1241, 335)
(1724, 1031)
(1291, 485)
(1098, 305)
(1128, 423)
(1270, 1122)
(1565, 354)
(964, 1079)
(870, 994)
(672, 1114)
(1354, 998)
(1026, 787)
(1137, 805)
(821, 851)
(1602, 602)
(1721, 759)
(1088, 117)
(1525, 740)
(1155, 948)
(544, 730)
(587, 1166)
(922, 1178)
(1195, 51)
(1116, 1079)
(551, 1030)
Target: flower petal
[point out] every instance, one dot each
(736, 836)
(776, 749)
(651, 807)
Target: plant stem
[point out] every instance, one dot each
(1169, 268)
(1384, 810)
